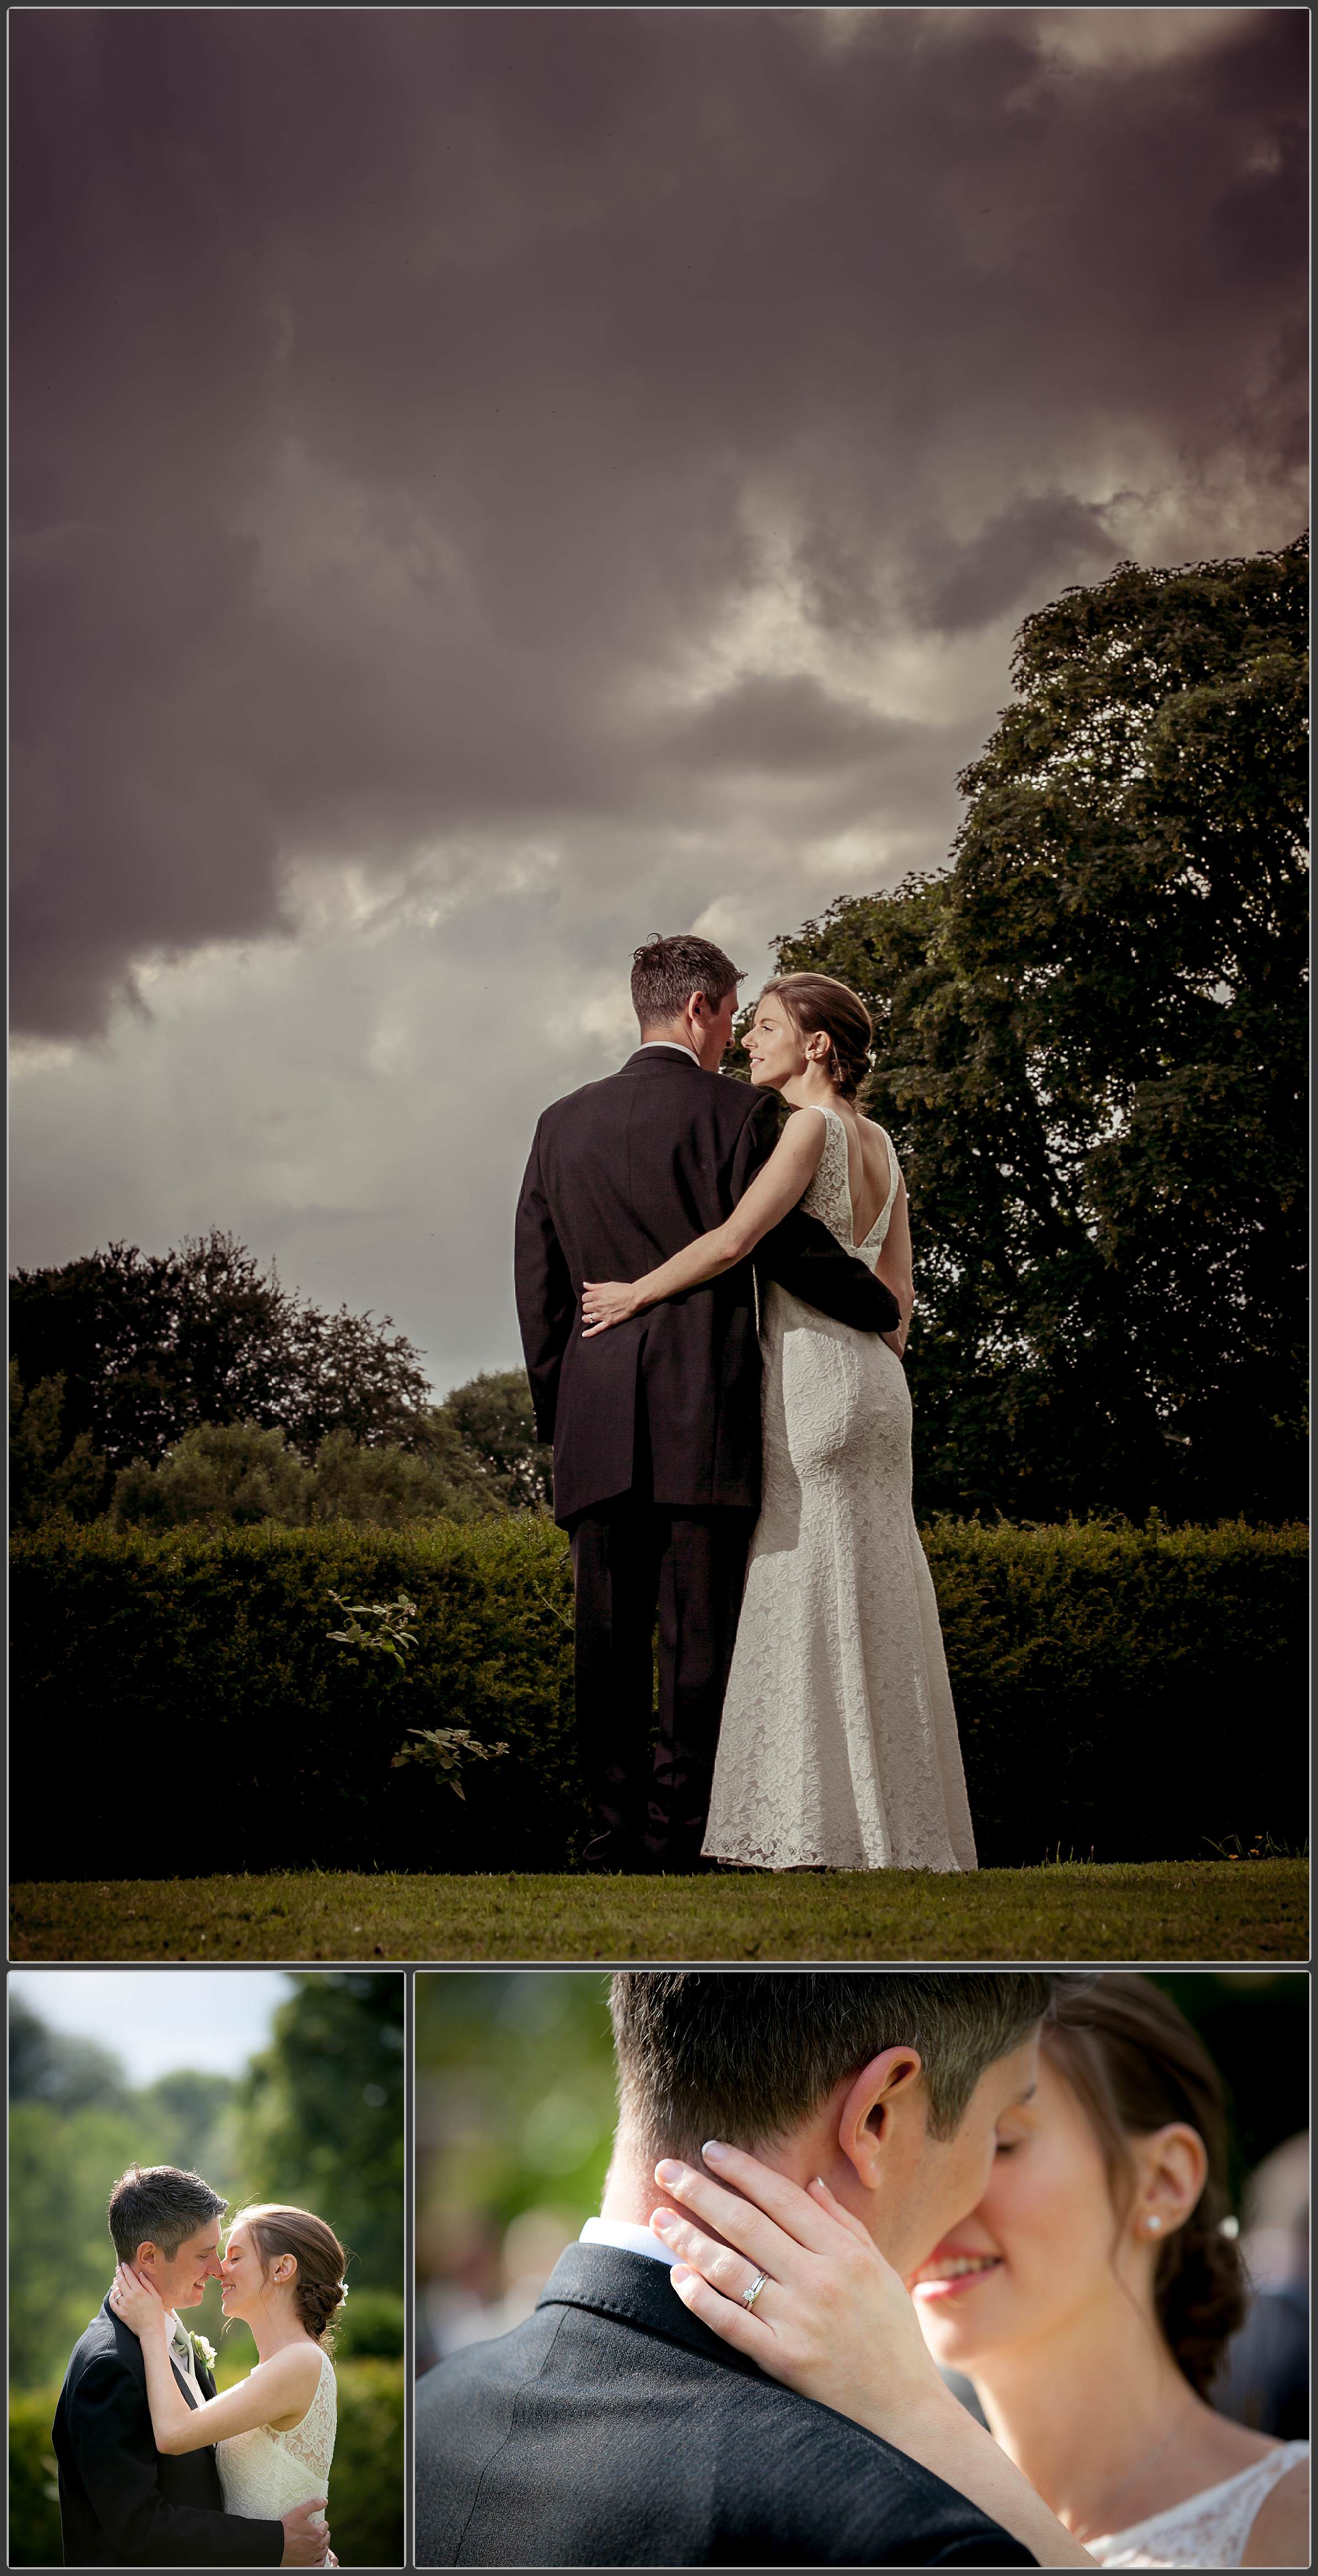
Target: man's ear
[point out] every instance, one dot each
(146, 2257)
(865, 2124)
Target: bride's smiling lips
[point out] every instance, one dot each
(951, 2270)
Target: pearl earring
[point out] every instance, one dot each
(1153, 2225)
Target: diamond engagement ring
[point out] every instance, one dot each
(754, 2291)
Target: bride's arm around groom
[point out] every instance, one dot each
(276, 2393)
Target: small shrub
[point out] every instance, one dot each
(34, 2528)
(366, 2480)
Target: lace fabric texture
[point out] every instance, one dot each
(838, 1745)
(1210, 2529)
(263, 2474)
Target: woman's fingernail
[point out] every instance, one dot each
(663, 2222)
(712, 2149)
(818, 2183)
(669, 2173)
(680, 2272)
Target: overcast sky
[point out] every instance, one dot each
(491, 485)
(212, 2019)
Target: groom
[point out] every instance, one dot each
(656, 1424)
(122, 2502)
(613, 2428)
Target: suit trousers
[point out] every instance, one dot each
(631, 1559)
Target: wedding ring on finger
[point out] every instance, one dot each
(753, 2293)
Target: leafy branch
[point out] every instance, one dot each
(444, 1749)
(390, 1637)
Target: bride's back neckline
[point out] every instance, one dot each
(885, 1204)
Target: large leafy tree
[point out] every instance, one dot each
(145, 1347)
(1091, 1056)
(322, 2115)
(493, 1419)
(48, 1472)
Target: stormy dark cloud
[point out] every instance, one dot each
(488, 484)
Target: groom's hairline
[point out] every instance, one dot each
(640, 2112)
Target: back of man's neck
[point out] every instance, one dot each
(669, 1037)
(631, 2195)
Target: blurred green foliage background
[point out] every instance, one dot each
(317, 2118)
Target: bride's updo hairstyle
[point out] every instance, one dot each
(1135, 2065)
(818, 1002)
(318, 2291)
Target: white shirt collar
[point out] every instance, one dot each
(679, 1046)
(628, 2239)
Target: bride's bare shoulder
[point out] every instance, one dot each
(1279, 2533)
(299, 2363)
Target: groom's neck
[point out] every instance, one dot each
(631, 2193)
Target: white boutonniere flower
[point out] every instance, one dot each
(204, 2351)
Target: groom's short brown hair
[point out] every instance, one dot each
(746, 2057)
(666, 972)
(159, 2205)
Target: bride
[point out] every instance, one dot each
(282, 2273)
(1089, 2298)
(838, 1746)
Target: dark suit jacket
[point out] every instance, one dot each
(122, 2502)
(614, 2430)
(621, 1176)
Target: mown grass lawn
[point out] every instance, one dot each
(1208, 1910)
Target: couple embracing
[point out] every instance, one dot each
(825, 2190)
(713, 1316)
(157, 2469)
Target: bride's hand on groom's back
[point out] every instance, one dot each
(832, 2320)
(605, 1302)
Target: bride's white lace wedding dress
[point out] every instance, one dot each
(1210, 2529)
(264, 2474)
(838, 1746)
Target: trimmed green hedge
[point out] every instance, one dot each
(177, 1704)
(366, 2481)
